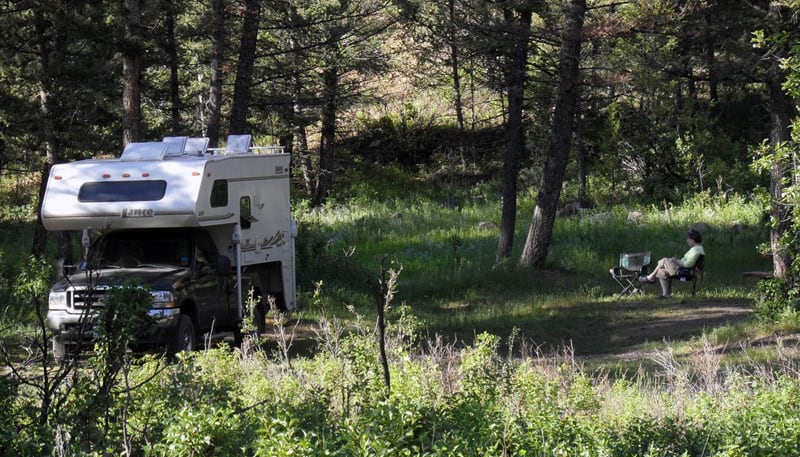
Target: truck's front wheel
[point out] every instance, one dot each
(59, 349)
(183, 340)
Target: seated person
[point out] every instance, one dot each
(669, 267)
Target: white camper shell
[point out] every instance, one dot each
(239, 195)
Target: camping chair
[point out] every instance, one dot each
(692, 274)
(632, 265)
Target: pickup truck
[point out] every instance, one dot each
(191, 284)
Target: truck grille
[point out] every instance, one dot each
(81, 297)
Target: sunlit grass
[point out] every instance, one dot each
(452, 281)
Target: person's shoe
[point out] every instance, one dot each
(664, 297)
(645, 279)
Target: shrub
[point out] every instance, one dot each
(774, 298)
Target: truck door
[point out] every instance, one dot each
(211, 289)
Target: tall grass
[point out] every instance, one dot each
(446, 400)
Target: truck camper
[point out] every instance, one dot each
(203, 230)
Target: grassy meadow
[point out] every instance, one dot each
(484, 359)
(451, 283)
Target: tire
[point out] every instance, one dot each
(59, 350)
(258, 322)
(259, 325)
(183, 339)
(280, 302)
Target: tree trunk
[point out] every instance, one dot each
(304, 157)
(301, 154)
(520, 25)
(244, 72)
(780, 115)
(711, 60)
(454, 68)
(39, 244)
(330, 78)
(174, 82)
(781, 112)
(541, 230)
(214, 127)
(583, 164)
(131, 74)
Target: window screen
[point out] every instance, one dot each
(219, 193)
(122, 191)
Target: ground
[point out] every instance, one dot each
(672, 322)
(619, 331)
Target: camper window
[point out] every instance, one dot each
(219, 193)
(246, 215)
(122, 191)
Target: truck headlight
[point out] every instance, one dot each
(57, 300)
(162, 299)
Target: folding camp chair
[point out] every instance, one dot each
(691, 274)
(632, 265)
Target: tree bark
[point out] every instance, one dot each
(330, 78)
(454, 68)
(519, 24)
(583, 160)
(174, 81)
(131, 74)
(43, 53)
(214, 127)
(244, 72)
(780, 118)
(301, 155)
(540, 233)
(781, 112)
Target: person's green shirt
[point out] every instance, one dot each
(691, 256)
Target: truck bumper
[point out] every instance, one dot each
(69, 326)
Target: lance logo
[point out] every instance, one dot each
(137, 212)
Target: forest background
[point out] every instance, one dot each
(654, 99)
(510, 104)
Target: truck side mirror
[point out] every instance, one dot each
(60, 269)
(223, 265)
(64, 268)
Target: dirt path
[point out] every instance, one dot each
(676, 322)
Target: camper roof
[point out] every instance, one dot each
(160, 184)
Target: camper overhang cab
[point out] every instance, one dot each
(199, 228)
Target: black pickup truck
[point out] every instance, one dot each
(193, 288)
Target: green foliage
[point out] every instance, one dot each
(122, 318)
(780, 295)
(775, 298)
(195, 430)
(446, 401)
(30, 285)
(479, 367)
(8, 414)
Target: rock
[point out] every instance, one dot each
(487, 225)
(700, 227)
(634, 217)
(574, 207)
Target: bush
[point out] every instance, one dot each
(775, 298)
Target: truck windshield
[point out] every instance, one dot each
(131, 249)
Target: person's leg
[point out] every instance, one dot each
(666, 287)
(660, 266)
(667, 268)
